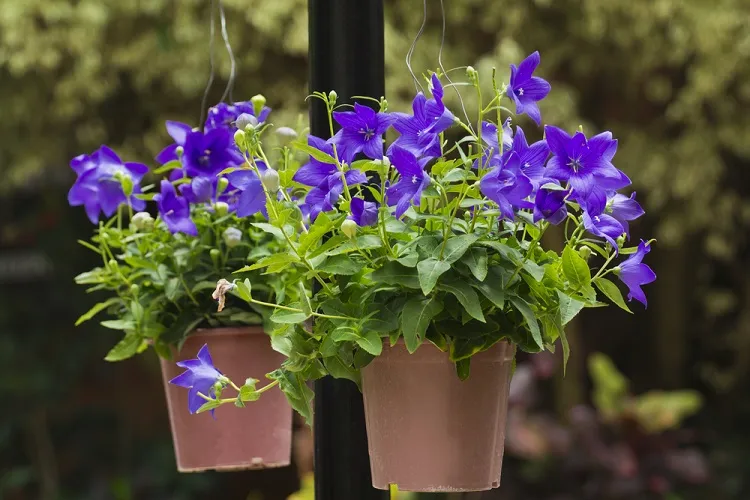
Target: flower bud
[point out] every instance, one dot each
(127, 185)
(232, 237)
(286, 134)
(349, 228)
(239, 139)
(621, 241)
(258, 102)
(221, 185)
(215, 254)
(142, 221)
(332, 96)
(179, 150)
(471, 73)
(221, 208)
(584, 252)
(113, 263)
(271, 180)
(246, 120)
(134, 289)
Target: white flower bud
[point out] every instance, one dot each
(286, 134)
(142, 221)
(246, 120)
(349, 228)
(232, 237)
(221, 208)
(271, 180)
(332, 96)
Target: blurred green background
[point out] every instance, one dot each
(670, 78)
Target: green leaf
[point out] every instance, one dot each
(371, 342)
(493, 290)
(409, 260)
(299, 395)
(322, 225)
(89, 246)
(170, 165)
(393, 273)
(569, 307)
(243, 289)
(612, 292)
(315, 153)
(275, 262)
(535, 270)
(97, 309)
(575, 268)
(126, 348)
(457, 174)
(288, 317)
(465, 295)
(338, 369)
(345, 333)
(528, 315)
(268, 228)
(476, 260)
(364, 242)
(209, 405)
(340, 265)
(172, 288)
(415, 318)
(456, 247)
(429, 271)
(118, 324)
(463, 367)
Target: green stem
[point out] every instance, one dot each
(601, 272)
(294, 309)
(187, 290)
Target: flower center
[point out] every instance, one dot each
(368, 133)
(597, 219)
(414, 179)
(575, 164)
(204, 159)
(519, 92)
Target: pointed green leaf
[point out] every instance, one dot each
(314, 152)
(209, 405)
(289, 317)
(371, 342)
(126, 348)
(456, 247)
(575, 268)
(476, 260)
(569, 307)
(465, 295)
(97, 309)
(429, 271)
(528, 315)
(612, 292)
(393, 273)
(341, 265)
(415, 318)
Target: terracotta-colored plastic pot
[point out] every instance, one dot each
(258, 436)
(430, 431)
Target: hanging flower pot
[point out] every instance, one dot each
(428, 430)
(257, 438)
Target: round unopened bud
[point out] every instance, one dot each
(134, 289)
(332, 96)
(239, 139)
(221, 208)
(349, 228)
(215, 254)
(584, 252)
(286, 134)
(471, 73)
(232, 237)
(258, 101)
(127, 185)
(246, 120)
(113, 263)
(621, 240)
(179, 150)
(271, 180)
(221, 185)
(142, 221)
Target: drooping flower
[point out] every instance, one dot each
(550, 206)
(225, 115)
(252, 197)
(179, 132)
(413, 180)
(315, 171)
(420, 133)
(507, 186)
(526, 90)
(634, 273)
(585, 165)
(208, 154)
(199, 377)
(175, 210)
(361, 132)
(624, 209)
(364, 213)
(604, 226)
(99, 186)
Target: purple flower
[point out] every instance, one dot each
(210, 153)
(200, 377)
(99, 186)
(364, 213)
(624, 209)
(361, 131)
(420, 133)
(252, 198)
(585, 165)
(507, 186)
(489, 136)
(550, 205)
(179, 132)
(532, 158)
(413, 180)
(315, 171)
(603, 226)
(634, 273)
(527, 90)
(224, 115)
(175, 210)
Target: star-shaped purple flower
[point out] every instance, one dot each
(252, 198)
(413, 180)
(585, 164)
(225, 115)
(420, 133)
(526, 90)
(210, 153)
(634, 273)
(99, 186)
(200, 377)
(507, 186)
(624, 209)
(175, 210)
(531, 158)
(361, 131)
(550, 206)
(364, 213)
(179, 132)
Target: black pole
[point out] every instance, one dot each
(346, 55)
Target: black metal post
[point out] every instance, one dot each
(346, 55)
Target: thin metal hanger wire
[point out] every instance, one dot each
(442, 68)
(409, 54)
(228, 91)
(212, 73)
